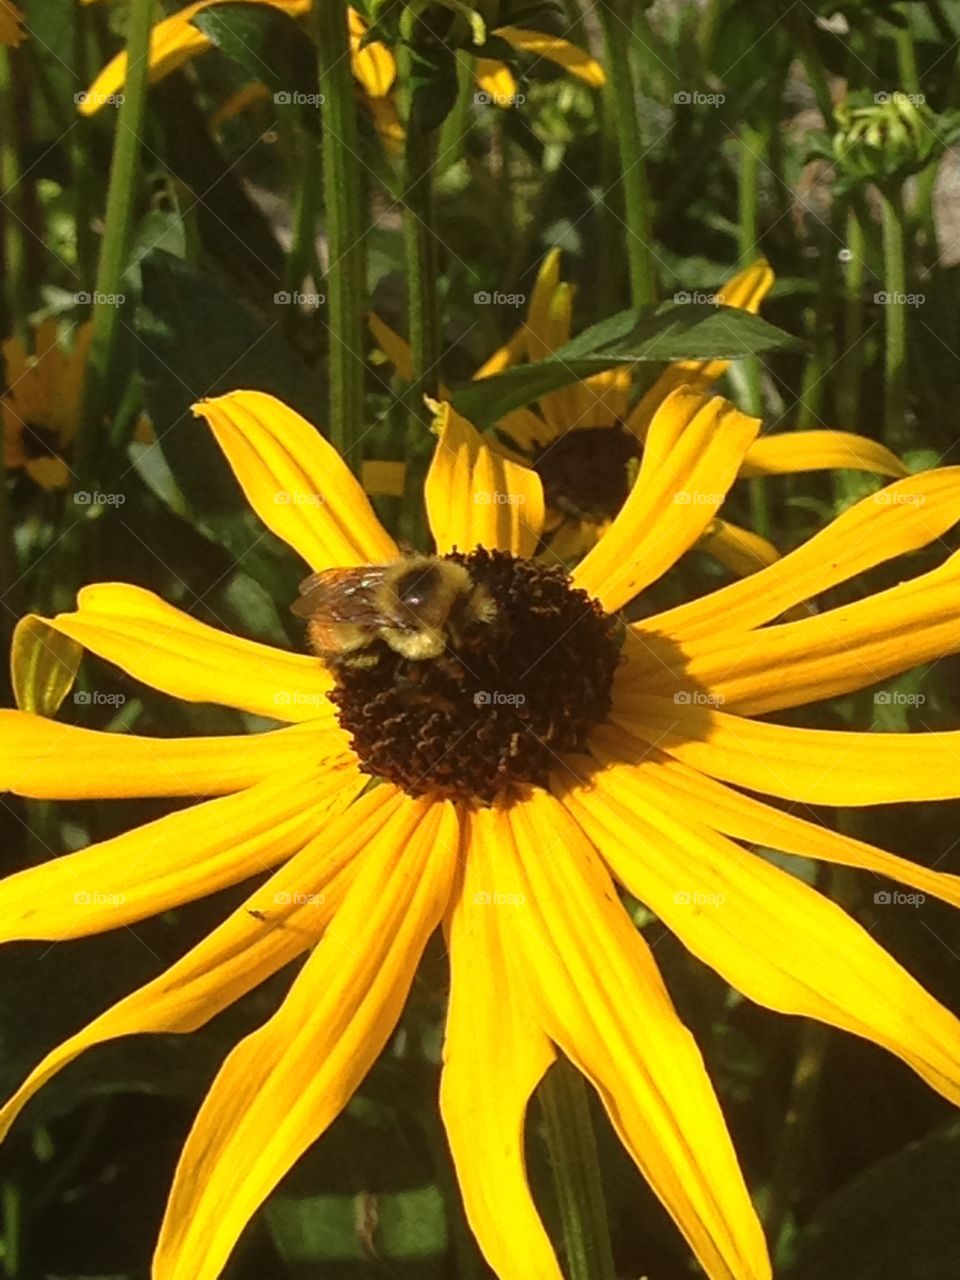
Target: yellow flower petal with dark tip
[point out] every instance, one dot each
(816, 766)
(600, 998)
(767, 933)
(45, 760)
(793, 451)
(283, 918)
(903, 517)
(170, 651)
(573, 59)
(494, 1056)
(179, 857)
(475, 497)
(746, 290)
(684, 791)
(693, 454)
(282, 1086)
(835, 652)
(296, 481)
(741, 550)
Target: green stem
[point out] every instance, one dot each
(343, 205)
(895, 287)
(423, 321)
(457, 124)
(14, 238)
(813, 390)
(118, 221)
(638, 205)
(576, 1174)
(84, 178)
(302, 258)
(850, 370)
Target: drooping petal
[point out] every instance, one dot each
(682, 791)
(834, 652)
(566, 55)
(695, 448)
(741, 550)
(395, 348)
(903, 517)
(296, 481)
(167, 649)
(172, 43)
(282, 918)
(46, 760)
(495, 1055)
(767, 933)
(789, 452)
(175, 859)
(600, 998)
(818, 766)
(745, 290)
(476, 497)
(283, 1085)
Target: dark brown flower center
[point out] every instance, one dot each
(587, 471)
(39, 442)
(502, 704)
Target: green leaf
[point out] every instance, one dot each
(671, 331)
(896, 1221)
(271, 47)
(396, 1225)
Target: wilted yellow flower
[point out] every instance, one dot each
(548, 752)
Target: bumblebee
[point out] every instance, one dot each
(418, 606)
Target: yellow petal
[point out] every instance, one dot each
(541, 302)
(172, 43)
(495, 79)
(905, 516)
(834, 652)
(577, 61)
(767, 933)
(282, 918)
(695, 448)
(396, 349)
(745, 290)
(296, 481)
(283, 1085)
(495, 1055)
(817, 766)
(526, 430)
(784, 454)
(741, 550)
(43, 666)
(476, 497)
(11, 24)
(387, 122)
(504, 357)
(168, 650)
(682, 791)
(374, 66)
(600, 998)
(177, 858)
(45, 760)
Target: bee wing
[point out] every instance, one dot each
(343, 595)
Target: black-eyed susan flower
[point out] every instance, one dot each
(175, 41)
(546, 754)
(42, 401)
(11, 24)
(585, 440)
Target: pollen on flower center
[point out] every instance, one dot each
(504, 701)
(586, 471)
